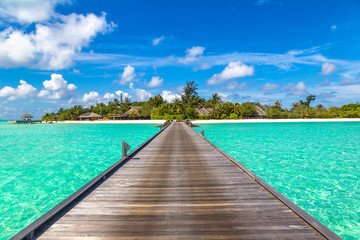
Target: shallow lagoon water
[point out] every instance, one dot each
(42, 164)
(315, 165)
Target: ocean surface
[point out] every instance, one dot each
(315, 165)
(42, 164)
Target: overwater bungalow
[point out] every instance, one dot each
(26, 117)
(89, 116)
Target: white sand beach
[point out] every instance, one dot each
(215, 121)
(278, 120)
(116, 122)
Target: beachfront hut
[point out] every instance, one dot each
(260, 113)
(131, 113)
(118, 116)
(203, 110)
(90, 116)
(26, 117)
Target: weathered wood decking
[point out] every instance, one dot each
(180, 187)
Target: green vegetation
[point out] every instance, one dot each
(192, 106)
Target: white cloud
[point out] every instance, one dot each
(23, 90)
(156, 41)
(327, 68)
(142, 95)
(28, 11)
(270, 86)
(128, 75)
(192, 54)
(109, 97)
(233, 70)
(124, 94)
(235, 85)
(155, 82)
(90, 97)
(131, 86)
(223, 97)
(333, 28)
(57, 88)
(50, 46)
(169, 96)
(298, 89)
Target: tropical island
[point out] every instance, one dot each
(192, 106)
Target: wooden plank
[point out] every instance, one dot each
(180, 187)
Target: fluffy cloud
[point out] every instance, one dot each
(22, 91)
(270, 86)
(233, 70)
(91, 97)
(57, 88)
(298, 89)
(235, 85)
(169, 96)
(28, 11)
(128, 75)
(124, 94)
(155, 82)
(142, 95)
(327, 68)
(109, 97)
(192, 54)
(156, 41)
(50, 46)
(223, 97)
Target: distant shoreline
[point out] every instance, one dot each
(214, 121)
(279, 120)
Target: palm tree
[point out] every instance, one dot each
(158, 100)
(295, 105)
(127, 102)
(215, 98)
(236, 109)
(116, 102)
(277, 104)
(177, 105)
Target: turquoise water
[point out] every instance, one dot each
(42, 164)
(315, 165)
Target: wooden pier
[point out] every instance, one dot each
(180, 186)
(25, 122)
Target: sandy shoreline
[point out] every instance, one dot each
(278, 120)
(216, 121)
(116, 122)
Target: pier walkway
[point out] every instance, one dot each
(180, 186)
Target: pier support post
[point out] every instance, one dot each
(125, 148)
(202, 132)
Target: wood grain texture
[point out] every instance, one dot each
(180, 187)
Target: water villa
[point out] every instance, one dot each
(26, 119)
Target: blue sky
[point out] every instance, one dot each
(58, 53)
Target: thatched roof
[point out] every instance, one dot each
(26, 115)
(133, 110)
(203, 110)
(90, 115)
(260, 112)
